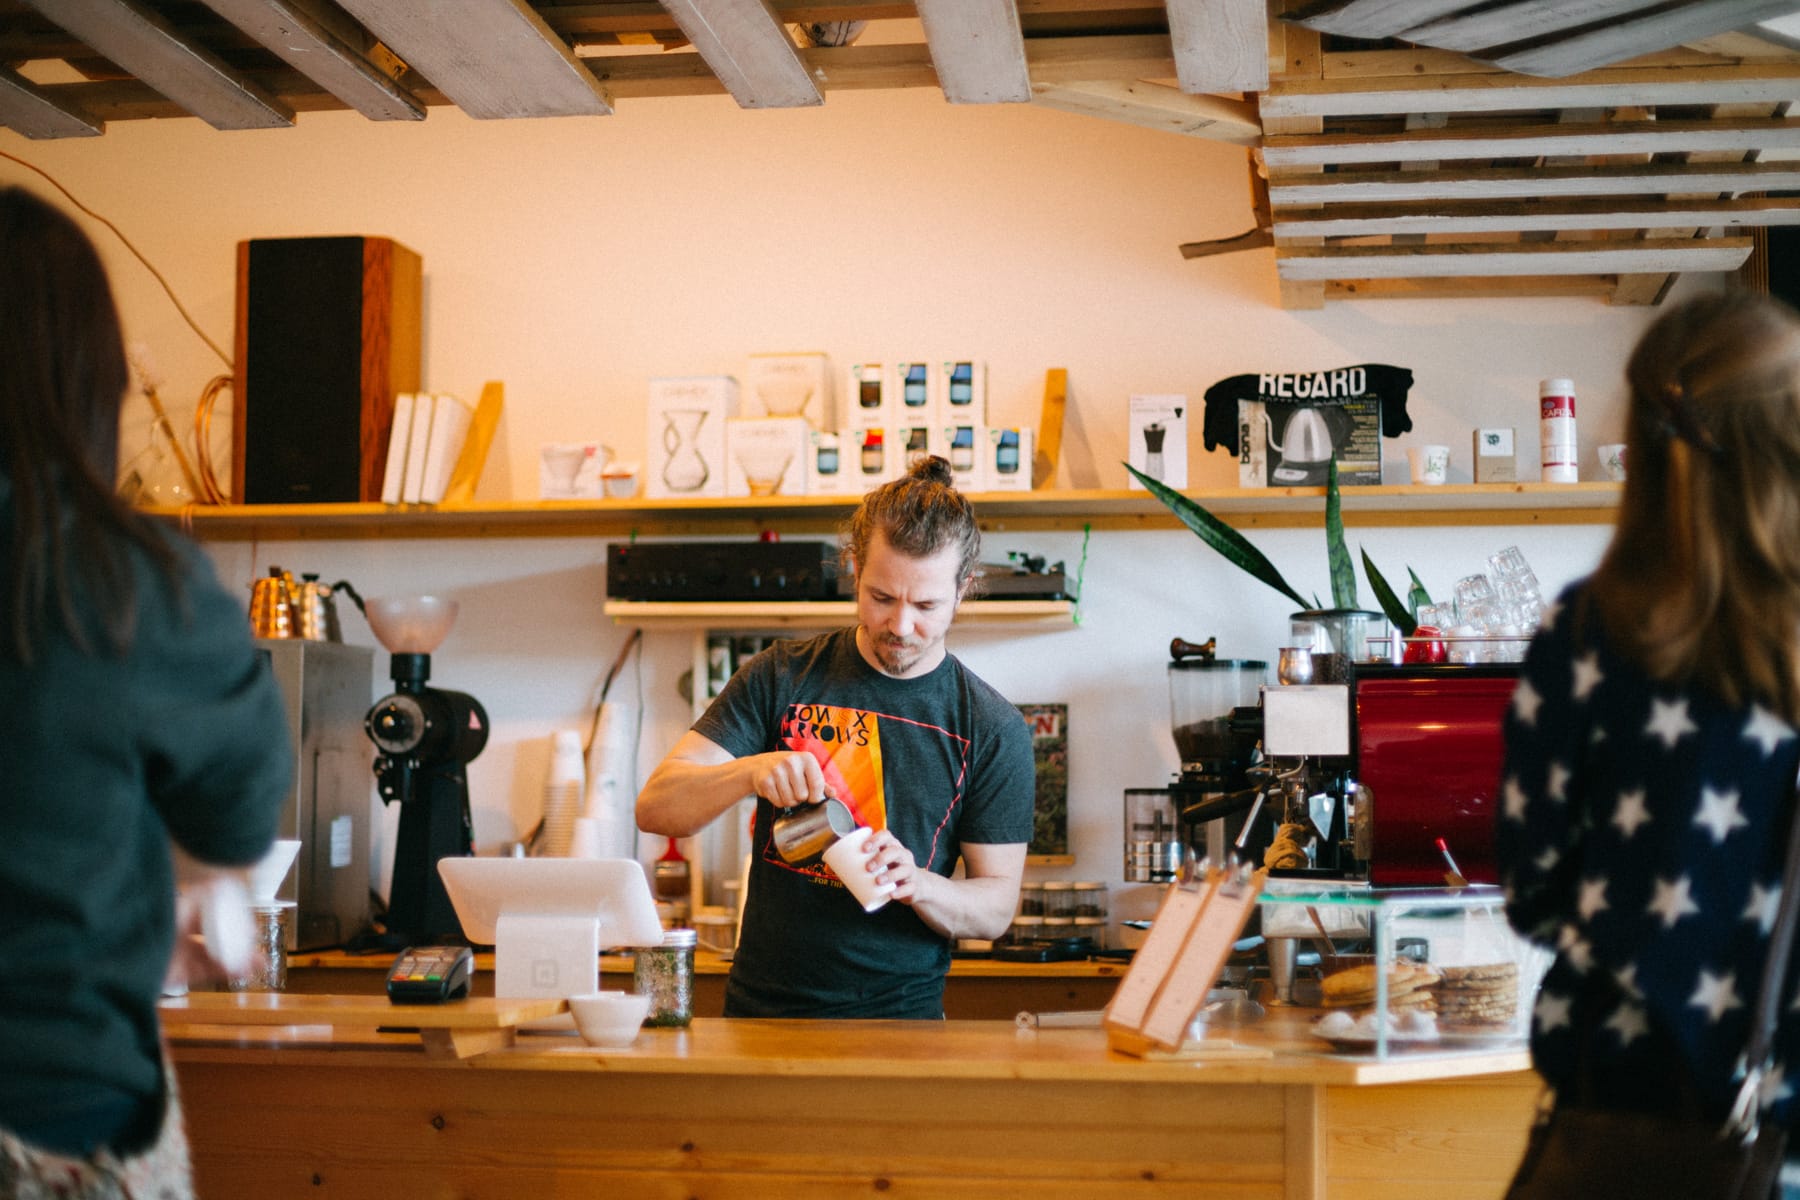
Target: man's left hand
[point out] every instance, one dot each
(892, 862)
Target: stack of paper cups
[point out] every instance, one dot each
(562, 795)
(1556, 408)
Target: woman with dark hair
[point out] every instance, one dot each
(1651, 746)
(137, 712)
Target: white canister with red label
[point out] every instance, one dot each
(1556, 409)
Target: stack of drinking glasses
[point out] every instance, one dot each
(1495, 614)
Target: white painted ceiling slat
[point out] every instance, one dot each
(138, 40)
(492, 58)
(1534, 141)
(1635, 180)
(978, 50)
(1637, 212)
(1530, 258)
(1505, 24)
(1763, 83)
(27, 110)
(748, 48)
(1374, 19)
(299, 33)
(1616, 41)
(1220, 45)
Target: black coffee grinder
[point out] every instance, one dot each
(1216, 719)
(425, 737)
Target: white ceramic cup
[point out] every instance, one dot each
(1612, 460)
(849, 859)
(1429, 464)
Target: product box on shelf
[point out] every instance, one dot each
(791, 385)
(871, 458)
(1006, 465)
(958, 444)
(831, 467)
(913, 443)
(686, 435)
(1156, 443)
(911, 389)
(572, 470)
(766, 456)
(961, 392)
(868, 399)
(1496, 460)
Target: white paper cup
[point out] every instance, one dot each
(1612, 460)
(1429, 464)
(849, 859)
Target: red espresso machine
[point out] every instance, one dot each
(1428, 763)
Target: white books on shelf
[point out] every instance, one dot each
(399, 439)
(412, 488)
(450, 420)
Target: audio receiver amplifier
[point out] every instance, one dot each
(722, 571)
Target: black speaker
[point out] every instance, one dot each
(328, 332)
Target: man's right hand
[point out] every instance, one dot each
(786, 778)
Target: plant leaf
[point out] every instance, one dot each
(1384, 595)
(1343, 572)
(1417, 597)
(1220, 536)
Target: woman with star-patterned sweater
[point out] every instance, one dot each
(1651, 747)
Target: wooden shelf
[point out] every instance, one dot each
(821, 614)
(1450, 504)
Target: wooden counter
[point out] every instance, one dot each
(741, 1109)
(979, 989)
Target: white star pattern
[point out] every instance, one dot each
(1556, 786)
(1766, 729)
(1719, 814)
(1629, 1022)
(1525, 702)
(1516, 800)
(1630, 813)
(1774, 1088)
(1587, 675)
(1668, 721)
(1626, 978)
(1593, 898)
(1761, 907)
(1673, 901)
(1551, 1012)
(1717, 994)
(1546, 862)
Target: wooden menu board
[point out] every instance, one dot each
(1182, 955)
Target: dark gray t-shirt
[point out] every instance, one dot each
(940, 760)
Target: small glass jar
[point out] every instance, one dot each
(665, 973)
(1031, 900)
(1089, 899)
(1092, 928)
(1059, 898)
(1058, 928)
(1025, 929)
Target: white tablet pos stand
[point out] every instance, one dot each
(545, 916)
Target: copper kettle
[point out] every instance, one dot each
(281, 607)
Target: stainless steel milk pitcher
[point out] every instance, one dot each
(804, 832)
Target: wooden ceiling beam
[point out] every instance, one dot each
(1499, 92)
(26, 109)
(1151, 105)
(1635, 179)
(1220, 45)
(1615, 41)
(977, 49)
(140, 41)
(1530, 140)
(1521, 216)
(329, 48)
(1525, 258)
(749, 49)
(493, 58)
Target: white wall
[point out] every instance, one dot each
(576, 258)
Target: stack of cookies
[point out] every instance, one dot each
(1409, 987)
(1483, 997)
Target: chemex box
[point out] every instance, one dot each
(686, 435)
(1157, 439)
(766, 456)
(791, 385)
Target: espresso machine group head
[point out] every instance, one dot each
(425, 736)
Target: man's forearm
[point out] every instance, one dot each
(966, 908)
(681, 798)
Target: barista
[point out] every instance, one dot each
(883, 718)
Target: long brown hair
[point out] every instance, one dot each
(62, 381)
(920, 513)
(1701, 583)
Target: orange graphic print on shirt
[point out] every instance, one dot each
(847, 743)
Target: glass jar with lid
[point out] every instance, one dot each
(1031, 900)
(1025, 929)
(1089, 899)
(1059, 898)
(665, 973)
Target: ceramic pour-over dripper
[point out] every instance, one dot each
(410, 624)
(266, 876)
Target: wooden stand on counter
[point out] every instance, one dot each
(460, 1029)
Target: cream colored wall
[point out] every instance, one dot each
(576, 258)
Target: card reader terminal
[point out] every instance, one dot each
(430, 975)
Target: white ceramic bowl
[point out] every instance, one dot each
(609, 1018)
